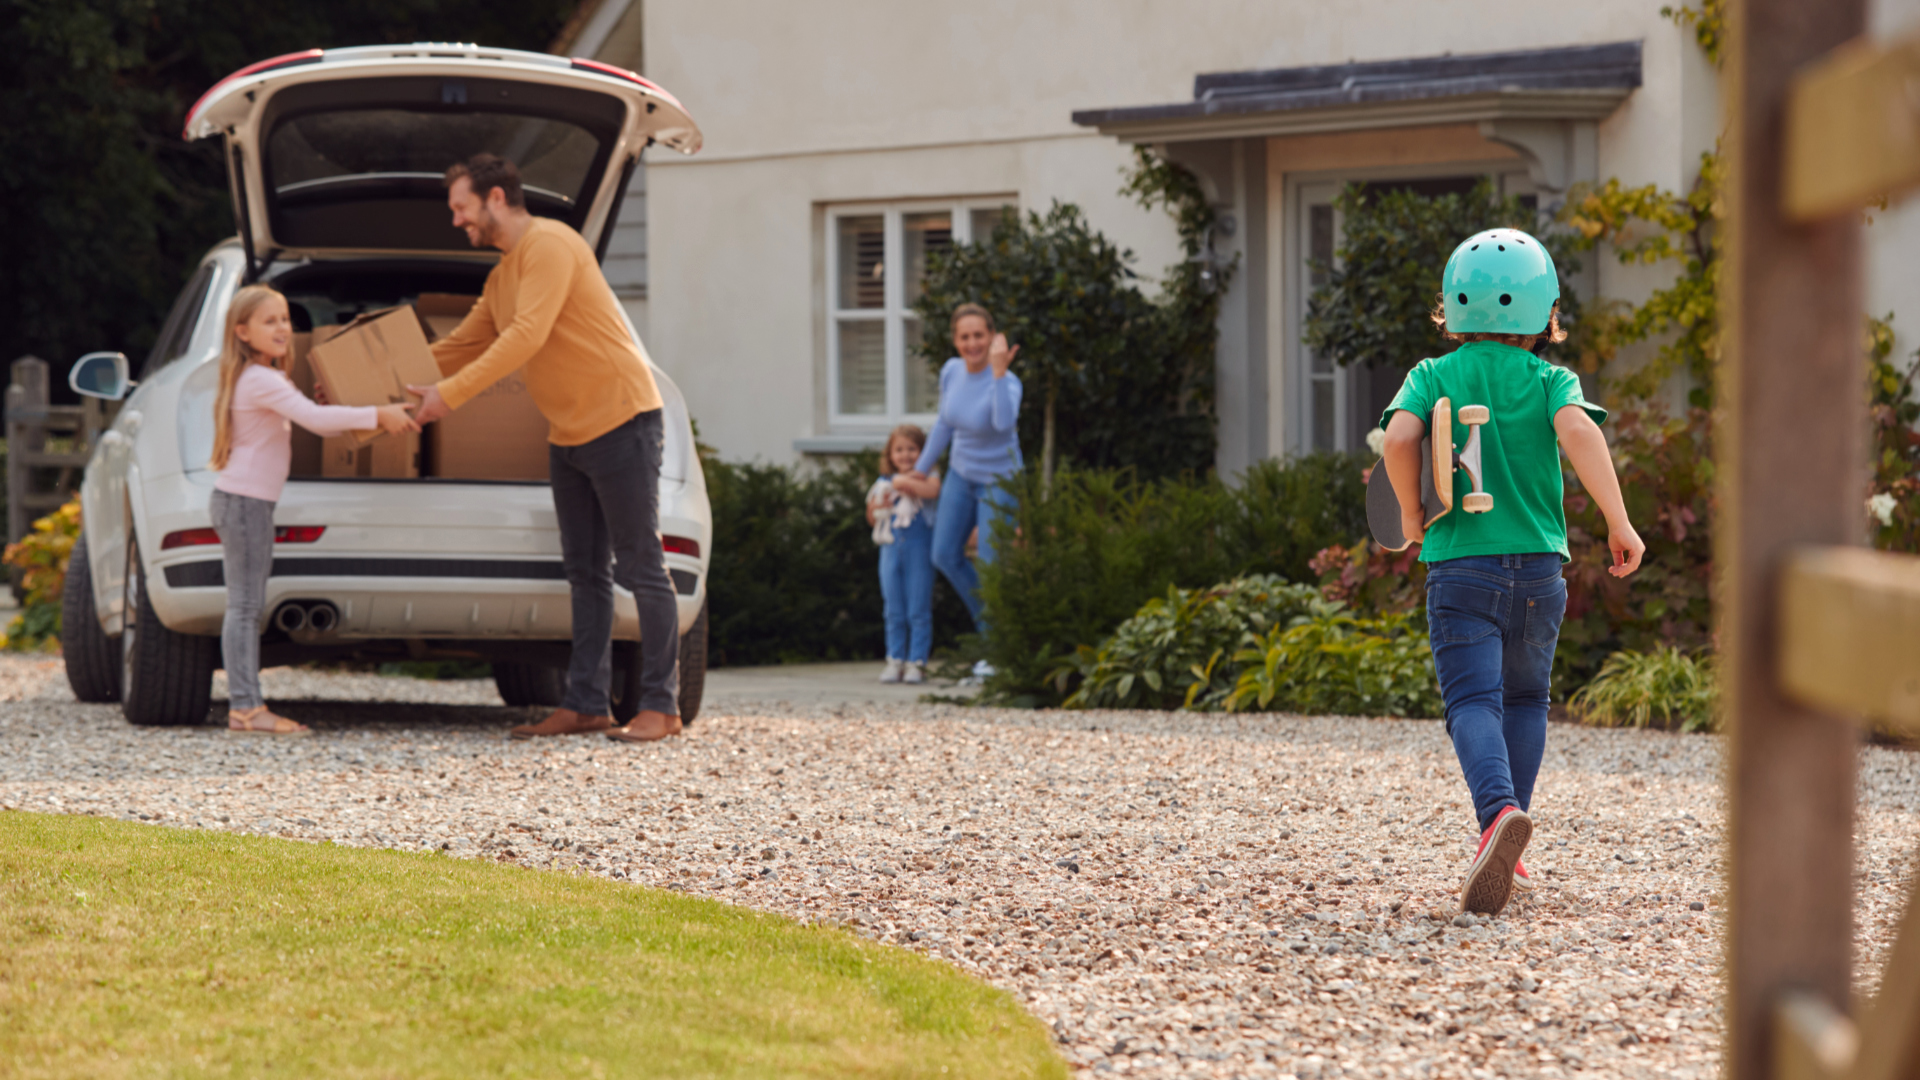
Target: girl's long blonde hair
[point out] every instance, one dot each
(235, 355)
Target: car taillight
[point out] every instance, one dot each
(306, 56)
(680, 545)
(189, 537)
(283, 534)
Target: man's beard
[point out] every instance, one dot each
(484, 230)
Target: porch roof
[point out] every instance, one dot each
(1582, 82)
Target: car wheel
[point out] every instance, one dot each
(165, 677)
(93, 658)
(530, 684)
(693, 667)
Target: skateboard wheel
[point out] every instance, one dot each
(1476, 502)
(1473, 414)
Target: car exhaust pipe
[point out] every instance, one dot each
(291, 618)
(322, 618)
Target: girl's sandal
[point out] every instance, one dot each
(258, 721)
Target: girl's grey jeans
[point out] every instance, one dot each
(245, 525)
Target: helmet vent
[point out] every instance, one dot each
(1463, 298)
(1503, 247)
(1505, 299)
(1475, 247)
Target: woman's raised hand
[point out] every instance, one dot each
(999, 357)
(394, 419)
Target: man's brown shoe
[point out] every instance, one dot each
(563, 722)
(649, 726)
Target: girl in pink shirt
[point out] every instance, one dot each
(253, 450)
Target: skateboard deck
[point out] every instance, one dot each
(1436, 483)
(1438, 460)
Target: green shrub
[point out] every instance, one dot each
(795, 575)
(1666, 687)
(41, 556)
(1076, 564)
(1334, 663)
(1179, 650)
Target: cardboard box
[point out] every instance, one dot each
(306, 445)
(443, 312)
(392, 457)
(498, 435)
(372, 360)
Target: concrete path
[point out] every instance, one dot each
(855, 683)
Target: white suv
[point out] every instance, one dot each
(335, 159)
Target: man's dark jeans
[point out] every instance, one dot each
(606, 494)
(1494, 621)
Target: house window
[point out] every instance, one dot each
(877, 258)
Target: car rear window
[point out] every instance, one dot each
(321, 153)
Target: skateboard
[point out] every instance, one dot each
(1438, 460)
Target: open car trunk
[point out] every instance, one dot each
(498, 436)
(341, 151)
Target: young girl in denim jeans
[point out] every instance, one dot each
(1495, 596)
(900, 507)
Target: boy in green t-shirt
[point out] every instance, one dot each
(1495, 596)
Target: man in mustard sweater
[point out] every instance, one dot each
(546, 307)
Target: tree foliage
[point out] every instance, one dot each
(1646, 225)
(1373, 305)
(1127, 380)
(108, 209)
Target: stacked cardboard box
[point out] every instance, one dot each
(499, 434)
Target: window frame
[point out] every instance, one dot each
(893, 313)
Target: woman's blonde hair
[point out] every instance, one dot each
(909, 432)
(965, 310)
(1553, 332)
(235, 355)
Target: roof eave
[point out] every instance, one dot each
(1250, 117)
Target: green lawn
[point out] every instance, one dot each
(132, 950)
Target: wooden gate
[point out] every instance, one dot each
(1817, 633)
(47, 445)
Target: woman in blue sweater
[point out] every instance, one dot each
(979, 411)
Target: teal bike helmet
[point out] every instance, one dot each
(1500, 281)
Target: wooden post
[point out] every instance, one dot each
(27, 398)
(1791, 455)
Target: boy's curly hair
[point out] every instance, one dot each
(1553, 332)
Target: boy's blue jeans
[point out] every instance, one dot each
(906, 588)
(964, 506)
(1494, 621)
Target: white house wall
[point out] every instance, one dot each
(805, 105)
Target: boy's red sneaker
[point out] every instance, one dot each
(1489, 881)
(1521, 879)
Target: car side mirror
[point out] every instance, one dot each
(101, 375)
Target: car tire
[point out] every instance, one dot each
(693, 673)
(166, 678)
(693, 667)
(93, 658)
(530, 684)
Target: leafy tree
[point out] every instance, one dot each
(107, 208)
(1373, 307)
(1114, 380)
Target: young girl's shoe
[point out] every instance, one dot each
(893, 671)
(915, 673)
(1489, 883)
(258, 721)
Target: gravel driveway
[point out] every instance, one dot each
(1175, 895)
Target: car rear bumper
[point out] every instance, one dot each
(406, 561)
